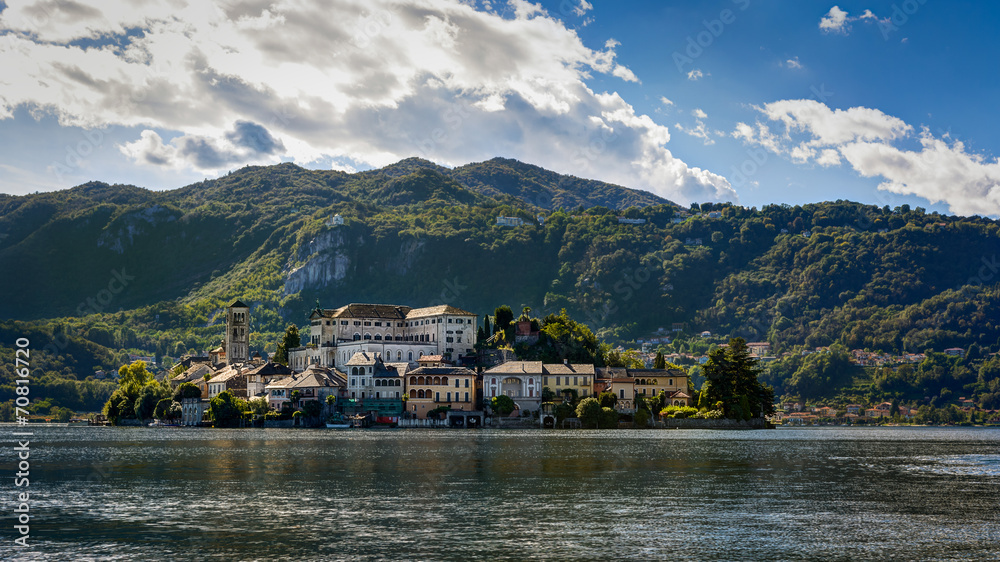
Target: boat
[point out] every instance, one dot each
(337, 422)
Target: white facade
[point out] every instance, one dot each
(520, 380)
(393, 333)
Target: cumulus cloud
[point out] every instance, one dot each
(246, 143)
(793, 63)
(835, 21)
(838, 21)
(700, 129)
(808, 131)
(695, 75)
(378, 81)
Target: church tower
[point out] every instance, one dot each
(237, 333)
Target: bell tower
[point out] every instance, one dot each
(237, 333)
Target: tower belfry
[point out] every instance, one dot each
(237, 333)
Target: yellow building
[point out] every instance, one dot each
(428, 388)
(651, 382)
(565, 378)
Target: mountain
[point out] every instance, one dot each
(123, 268)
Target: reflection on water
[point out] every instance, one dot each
(841, 493)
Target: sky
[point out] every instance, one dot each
(750, 101)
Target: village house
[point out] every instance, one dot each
(429, 388)
(229, 379)
(315, 383)
(565, 379)
(520, 380)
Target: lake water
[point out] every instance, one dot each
(255, 494)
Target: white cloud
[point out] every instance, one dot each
(582, 8)
(695, 75)
(793, 63)
(381, 81)
(835, 21)
(665, 101)
(810, 132)
(838, 21)
(700, 129)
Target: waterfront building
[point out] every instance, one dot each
(428, 388)
(393, 333)
(229, 379)
(565, 378)
(372, 387)
(193, 410)
(259, 377)
(315, 383)
(520, 380)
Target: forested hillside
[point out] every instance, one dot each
(119, 269)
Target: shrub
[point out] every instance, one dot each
(678, 412)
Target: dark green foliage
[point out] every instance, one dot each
(608, 418)
(290, 341)
(607, 399)
(186, 390)
(502, 405)
(227, 410)
(731, 378)
(312, 408)
(589, 412)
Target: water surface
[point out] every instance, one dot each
(255, 494)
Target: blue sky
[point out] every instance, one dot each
(884, 102)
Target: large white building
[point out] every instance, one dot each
(393, 333)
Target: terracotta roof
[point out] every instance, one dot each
(450, 371)
(194, 372)
(571, 369)
(363, 358)
(517, 368)
(431, 359)
(358, 310)
(439, 309)
(271, 369)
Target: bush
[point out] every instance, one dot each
(641, 418)
(679, 412)
(710, 415)
(609, 418)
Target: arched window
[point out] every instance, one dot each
(437, 380)
(420, 380)
(413, 393)
(378, 337)
(399, 382)
(444, 381)
(377, 394)
(399, 356)
(399, 338)
(420, 394)
(493, 381)
(421, 353)
(410, 356)
(413, 380)
(357, 337)
(368, 336)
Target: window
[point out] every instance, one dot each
(622, 393)
(449, 339)
(368, 323)
(378, 323)
(458, 339)
(343, 322)
(449, 320)
(357, 323)
(449, 397)
(399, 356)
(368, 336)
(574, 381)
(378, 337)
(457, 382)
(671, 382)
(467, 386)
(437, 396)
(357, 336)
(354, 382)
(466, 395)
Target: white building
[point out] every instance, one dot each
(510, 221)
(521, 380)
(392, 333)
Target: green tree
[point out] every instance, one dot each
(547, 394)
(502, 318)
(133, 377)
(660, 362)
(290, 341)
(186, 390)
(607, 399)
(226, 410)
(312, 408)
(589, 412)
(146, 402)
(162, 408)
(502, 404)
(731, 375)
(609, 418)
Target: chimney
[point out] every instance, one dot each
(565, 361)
